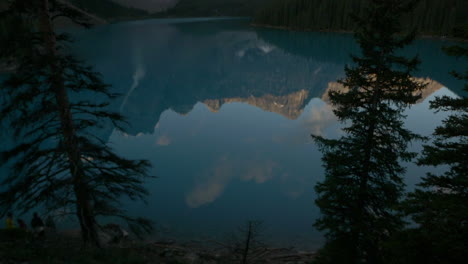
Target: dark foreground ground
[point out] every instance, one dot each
(18, 247)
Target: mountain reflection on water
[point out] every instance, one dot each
(225, 111)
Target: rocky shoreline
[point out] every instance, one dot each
(22, 247)
(5, 68)
(195, 253)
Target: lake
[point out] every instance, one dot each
(224, 112)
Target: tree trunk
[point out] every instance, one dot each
(247, 244)
(364, 181)
(83, 206)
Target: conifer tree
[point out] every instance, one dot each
(363, 172)
(440, 205)
(58, 161)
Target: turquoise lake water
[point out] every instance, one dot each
(224, 112)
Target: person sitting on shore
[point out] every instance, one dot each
(50, 223)
(10, 224)
(38, 225)
(22, 224)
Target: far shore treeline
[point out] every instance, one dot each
(429, 17)
(432, 17)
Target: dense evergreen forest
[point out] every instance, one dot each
(194, 8)
(108, 10)
(8, 25)
(103, 9)
(429, 17)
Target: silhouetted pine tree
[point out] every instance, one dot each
(59, 162)
(440, 205)
(363, 180)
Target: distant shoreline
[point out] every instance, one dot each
(421, 36)
(292, 29)
(6, 69)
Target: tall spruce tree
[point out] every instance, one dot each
(363, 172)
(59, 162)
(440, 205)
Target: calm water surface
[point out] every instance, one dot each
(225, 111)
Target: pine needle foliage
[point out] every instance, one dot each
(440, 205)
(363, 171)
(58, 161)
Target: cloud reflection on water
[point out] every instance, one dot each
(208, 189)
